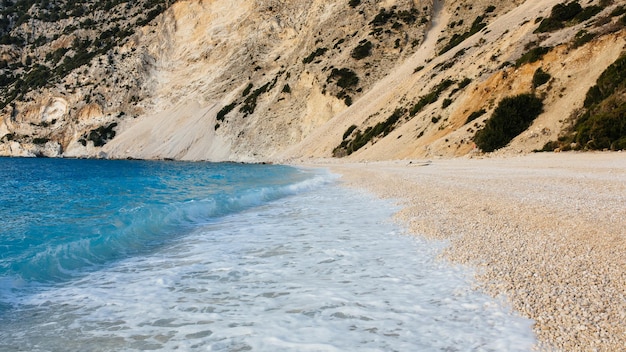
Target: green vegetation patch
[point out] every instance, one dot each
(221, 115)
(363, 50)
(382, 17)
(37, 73)
(99, 136)
(567, 14)
(464, 83)
(408, 16)
(249, 105)
(344, 77)
(15, 86)
(476, 114)
(11, 136)
(540, 77)
(457, 39)
(343, 95)
(603, 128)
(247, 90)
(512, 116)
(41, 140)
(313, 55)
(581, 38)
(385, 16)
(602, 125)
(431, 97)
(613, 79)
(348, 132)
(533, 55)
(618, 11)
(588, 12)
(360, 139)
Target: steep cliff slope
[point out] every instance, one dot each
(473, 77)
(270, 80)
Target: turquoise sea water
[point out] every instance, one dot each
(62, 218)
(136, 255)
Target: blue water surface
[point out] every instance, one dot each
(61, 218)
(102, 256)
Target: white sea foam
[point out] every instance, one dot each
(319, 271)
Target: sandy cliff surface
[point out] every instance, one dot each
(279, 81)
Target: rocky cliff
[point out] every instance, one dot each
(283, 80)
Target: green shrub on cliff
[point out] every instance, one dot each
(431, 97)
(512, 116)
(602, 123)
(612, 79)
(354, 3)
(476, 114)
(221, 115)
(563, 15)
(533, 55)
(360, 139)
(540, 77)
(345, 77)
(604, 128)
(363, 50)
(101, 135)
(457, 39)
(313, 55)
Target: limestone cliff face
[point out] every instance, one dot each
(279, 80)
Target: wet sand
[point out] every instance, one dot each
(548, 231)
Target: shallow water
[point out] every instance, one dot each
(316, 268)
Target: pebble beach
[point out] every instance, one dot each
(545, 231)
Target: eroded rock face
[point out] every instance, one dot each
(54, 110)
(281, 80)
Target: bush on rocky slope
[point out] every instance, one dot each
(512, 116)
(540, 77)
(602, 123)
(96, 28)
(563, 15)
(360, 139)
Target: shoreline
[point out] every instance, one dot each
(547, 231)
